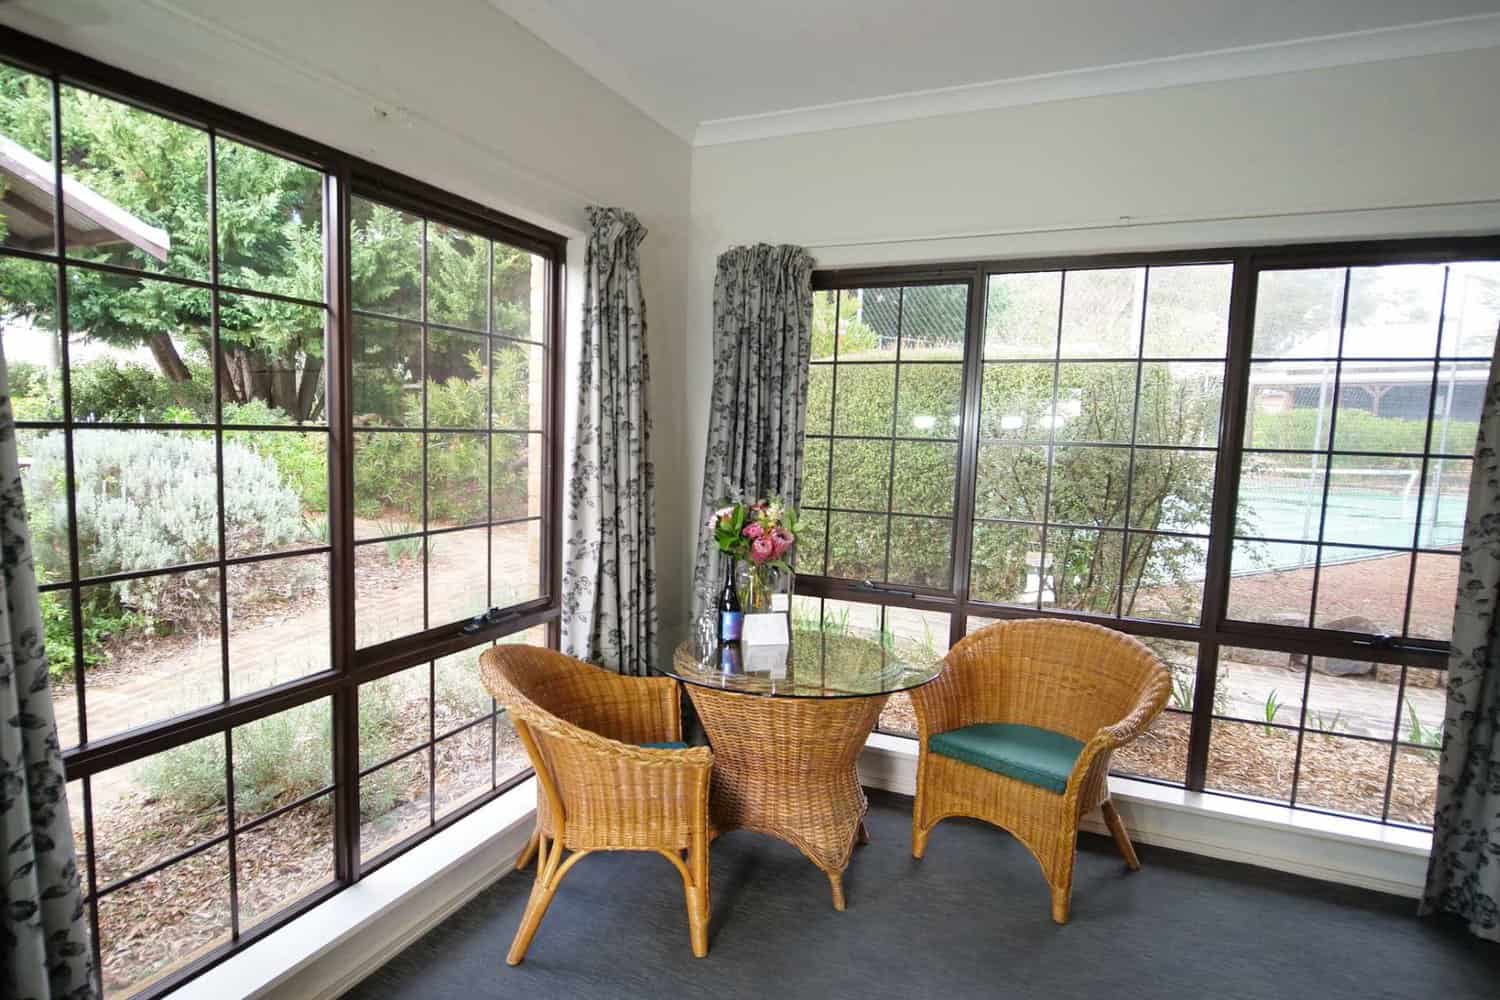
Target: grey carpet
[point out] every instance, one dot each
(972, 920)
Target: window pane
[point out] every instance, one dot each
(515, 563)
(516, 464)
(394, 803)
(819, 398)
(151, 173)
(456, 575)
(1356, 697)
(1088, 486)
(27, 214)
(933, 318)
(1343, 775)
(149, 810)
(1471, 313)
(866, 400)
(1172, 490)
(1372, 503)
(520, 293)
(1017, 402)
(861, 475)
(1362, 590)
(1181, 659)
(1414, 786)
(1393, 311)
(872, 335)
(1164, 577)
(1445, 502)
(153, 927)
(458, 391)
(856, 546)
(28, 322)
(1160, 752)
(1291, 404)
(1251, 759)
(929, 400)
(270, 222)
(1095, 402)
(284, 860)
(519, 385)
(919, 637)
(463, 769)
(1271, 582)
(57, 628)
(824, 324)
(1022, 314)
(282, 758)
(460, 693)
(1084, 570)
(278, 621)
(388, 589)
(919, 551)
(387, 373)
(1260, 685)
(385, 272)
(811, 547)
(1297, 313)
(1187, 311)
(1456, 407)
(1383, 406)
(273, 355)
(387, 484)
(1179, 404)
(815, 472)
(925, 478)
(1006, 564)
(1012, 482)
(1102, 313)
(1432, 596)
(275, 490)
(457, 485)
(457, 277)
(394, 714)
(1281, 496)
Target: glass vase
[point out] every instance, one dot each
(764, 587)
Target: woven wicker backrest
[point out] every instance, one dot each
(579, 694)
(1069, 677)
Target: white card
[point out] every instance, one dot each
(766, 630)
(770, 660)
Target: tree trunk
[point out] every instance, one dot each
(307, 392)
(167, 358)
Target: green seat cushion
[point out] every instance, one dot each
(674, 745)
(1036, 756)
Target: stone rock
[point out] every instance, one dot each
(1338, 666)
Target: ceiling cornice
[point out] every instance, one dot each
(1429, 38)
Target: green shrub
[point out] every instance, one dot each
(107, 391)
(1359, 430)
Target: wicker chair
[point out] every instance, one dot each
(606, 782)
(1015, 704)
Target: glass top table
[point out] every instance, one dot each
(813, 665)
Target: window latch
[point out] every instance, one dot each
(479, 621)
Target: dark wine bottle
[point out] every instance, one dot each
(731, 619)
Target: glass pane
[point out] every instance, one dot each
(270, 222)
(1006, 564)
(1354, 697)
(1164, 577)
(385, 273)
(1172, 490)
(1179, 404)
(1297, 313)
(919, 551)
(282, 758)
(1021, 315)
(926, 474)
(515, 563)
(516, 463)
(394, 803)
(824, 324)
(463, 769)
(856, 546)
(1471, 314)
(1017, 402)
(387, 373)
(819, 399)
(1083, 570)
(520, 293)
(387, 484)
(1187, 311)
(1088, 486)
(811, 547)
(1012, 482)
(510, 753)
(1250, 759)
(815, 472)
(460, 693)
(866, 400)
(933, 318)
(458, 265)
(1281, 496)
(1372, 502)
(27, 174)
(1445, 502)
(1393, 311)
(1432, 596)
(393, 714)
(1291, 405)
(1095, 402)
(872, 335)
(388, 590)
(457, 485)
(273, 356)
(929, 398)
(1271, 582)
(149, 810)
(1362, 590)
(1383, 406)
(158, 647)
(43, 478)
(1160, 752)
(284, 860)
(155, 926)
(275, 490)
(920, 637)
(456, 575)
(141, 350)
(519, 386)
(28, 323)
(1102, 313)
(278, 621)
(1343, 775)
(458, 391)
(57, 628)
(1259, 685)
(146, 204)
(1414, 786)
(1181, 660)
(862, 475)
(1424, 704)
(1457, 405)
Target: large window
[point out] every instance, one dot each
(287, 437)
(1255, 461)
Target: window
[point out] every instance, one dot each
(1256, 461)
(287, 433)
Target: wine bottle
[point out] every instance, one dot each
(731, 619)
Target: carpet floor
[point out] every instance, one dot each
(971, 920)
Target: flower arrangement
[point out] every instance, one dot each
(762, 534)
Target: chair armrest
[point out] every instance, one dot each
(1109, 738)
(939, 705)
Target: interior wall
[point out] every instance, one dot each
(1399, 148)
(457, 95)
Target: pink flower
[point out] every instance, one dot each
(762, 549)
(782, 540)
(753, 530)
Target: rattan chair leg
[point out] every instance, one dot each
(549, 875)
(529, 851)
(918, 838)
(863, 836)
(1061, 896)
(836, 880)
(1122, 839)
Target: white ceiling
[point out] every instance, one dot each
(693, 64)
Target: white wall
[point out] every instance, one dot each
(1407, 147)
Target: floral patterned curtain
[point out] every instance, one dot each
(44, 946)
(758, 413)
(609, 613)
(1463, 875)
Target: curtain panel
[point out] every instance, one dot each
(609, 612)
(758, 410)
(44, 945)
(1463, 874)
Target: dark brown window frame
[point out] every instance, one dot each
(344, 176)
(1214, 628)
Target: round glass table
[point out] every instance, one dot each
(787, 724)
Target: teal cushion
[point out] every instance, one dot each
(1036, 756)
(674, 745)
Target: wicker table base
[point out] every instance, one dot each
(786, 767)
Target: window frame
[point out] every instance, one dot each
(344, 176)
(1214, 630)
